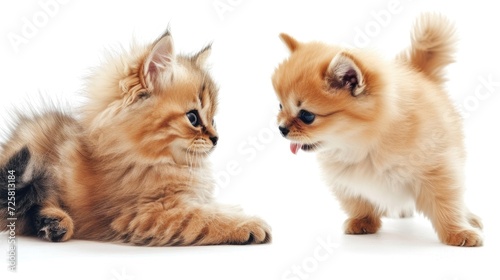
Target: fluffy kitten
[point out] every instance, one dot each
(387, 137)
(134, 168)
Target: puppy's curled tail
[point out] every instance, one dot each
(433, 42)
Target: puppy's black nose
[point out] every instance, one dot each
(214, 139)
(284, 131)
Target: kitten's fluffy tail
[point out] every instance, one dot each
(432, 46)
(21, 188)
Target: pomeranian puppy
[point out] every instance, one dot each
(386, 134)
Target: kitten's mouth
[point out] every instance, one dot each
(199, 152)
(295, 147)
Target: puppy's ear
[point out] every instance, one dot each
(344, 73)
(159, 62)
(290, 42)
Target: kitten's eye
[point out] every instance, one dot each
(193, 117)
(213, 122)
(306, 116)
(281, 107)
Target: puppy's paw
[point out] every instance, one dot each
(251, 231)
(464, 238)
(364, 225)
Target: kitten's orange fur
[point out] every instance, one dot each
(134, 169)
(387, 136)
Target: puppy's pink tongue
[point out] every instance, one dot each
(295, 147)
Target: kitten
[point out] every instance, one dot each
(134, 168)
(387, 137)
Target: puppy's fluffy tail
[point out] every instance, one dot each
(432, 46)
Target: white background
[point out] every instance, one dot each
(50, 63)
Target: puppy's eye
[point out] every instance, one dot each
(193, 117)
(306, 116)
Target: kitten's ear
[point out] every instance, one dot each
(289, 41)
(344, 73)
(201, 57)
(161, 58)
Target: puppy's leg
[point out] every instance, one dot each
(440, 199)
(475, 221)
(363, 217)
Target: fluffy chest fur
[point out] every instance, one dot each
(389, 188)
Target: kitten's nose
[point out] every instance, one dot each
(214, 139)
(284, 131)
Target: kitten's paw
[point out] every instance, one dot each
(364, 225)
(464, 238)
(251, 231)
(56, 228)
(50, 229)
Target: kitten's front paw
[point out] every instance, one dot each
(364, 225)
(464, 238)
(251, 231)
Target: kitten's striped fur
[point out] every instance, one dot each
(134, 168)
